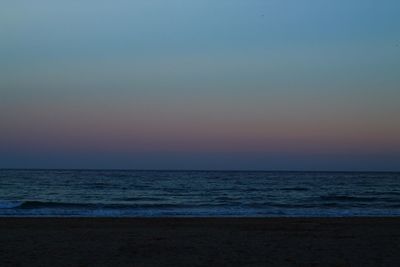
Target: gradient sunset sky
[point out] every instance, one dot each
(221, 84)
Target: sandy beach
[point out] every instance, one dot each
(200, 242)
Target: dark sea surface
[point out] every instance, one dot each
(197, 193)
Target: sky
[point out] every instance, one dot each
(184, 84)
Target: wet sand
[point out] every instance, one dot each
(200, 242)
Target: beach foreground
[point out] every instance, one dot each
(199, 241)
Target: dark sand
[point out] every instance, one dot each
(199, 242)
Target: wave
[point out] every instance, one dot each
(10, 204)
(41, 208)
(296, 188)
(326, 204)
(38, 204)
(43, 204)
(348, 198)
(26, 205)
(30, 205)
(138, 199)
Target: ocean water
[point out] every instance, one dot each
(197, 193)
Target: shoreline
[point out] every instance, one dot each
(199, 241)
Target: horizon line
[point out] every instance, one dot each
(197, 170)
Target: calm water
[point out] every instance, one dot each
(197, 193)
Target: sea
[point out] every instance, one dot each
(127, 193)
